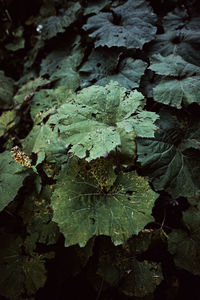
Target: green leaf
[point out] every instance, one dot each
(37, 215)
(12, 175)
(95, 6)
(180, 82)
(185, 245)
(19, 273)
(94, 121)
(7, 121)
(179, 18)
(70, 56)
(6, 91)
(171, 159)
(45, 102)
(32, 54)
(179, 42)
(42, 140)
(105, 65)
(85, 205)
(29, 88)
(129, 25)
(143, 279)
(119, 267)
(61, 64)
(56, 24)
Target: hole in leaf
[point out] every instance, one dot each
(116, 19)
(87, 167)
(176, 40)
(129, 192)
(92, 220)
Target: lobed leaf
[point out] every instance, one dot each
(101, 118)
(84, 206)
(179, 83)
(58, 24)
(171, 159)
(105, 65)
(129, 25)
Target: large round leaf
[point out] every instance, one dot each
(179, 82)
(88, 203)
(171, 159)
(129, 25)
(100, 119)
(179, 42)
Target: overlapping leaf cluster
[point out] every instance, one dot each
(102, 97)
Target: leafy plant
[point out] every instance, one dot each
(99, 149)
